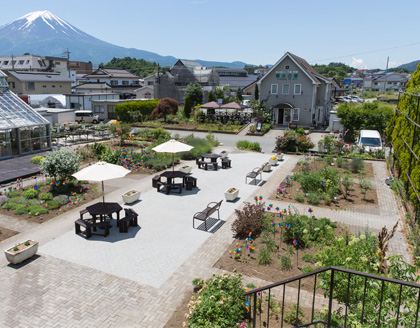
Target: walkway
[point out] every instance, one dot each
(138, 279)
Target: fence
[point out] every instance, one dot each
(404, 298)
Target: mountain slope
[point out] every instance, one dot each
(43, 33)
(412, 66)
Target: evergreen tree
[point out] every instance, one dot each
(187, 106)
(257, 92)
(195, 92)
(239, 94)
(211, 96)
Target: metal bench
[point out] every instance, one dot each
(254, 174)
(205, 214)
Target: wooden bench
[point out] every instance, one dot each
(190, 182)
(254, 174)
(130, 219)
(88, 225)
(226, 162)
(168, 186)
(205, 214)
(206, 164)
(155, 181)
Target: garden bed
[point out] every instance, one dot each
(6, 233)
(291, 190)
(74, 197)
(199, 127)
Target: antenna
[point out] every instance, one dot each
(68, 60)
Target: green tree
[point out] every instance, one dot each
(187, 107)
(219, 93)
(239, 94)
(121, 130)
(257, 92)
(211, 96)
(138, 67)
(195, 92)
(165, 107)
(61, 164)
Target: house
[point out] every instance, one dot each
(119, 79)
(173, 83)
(296, 93)
(86, 101)
(249, 90)
(392, 81)
(92, 87)
(145, 92)
(27, 83)
(22, 129)
(81, 67)
(34, 63)
(234, 78)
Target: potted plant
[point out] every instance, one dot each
(224, 153)
(186, 169)
(131, 196)
(279, 156)
(231, 194)
(266, 167)
(21, 251)
(273, 160)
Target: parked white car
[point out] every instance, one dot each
(370, 140)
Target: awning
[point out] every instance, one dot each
(284, 106)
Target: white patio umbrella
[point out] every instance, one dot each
(172, 146)
(101, 171)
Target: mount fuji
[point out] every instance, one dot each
(43, 33)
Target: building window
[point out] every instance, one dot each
(53, 86)
(274, 89)
(44, 86)
(57, 63)
(21, 62)
(298, 89)
(150, 83)
(286, 88)
(295, 116)
(99, 109)
(113, 82)
(6, 62)
(125, 83)
(30, 85)
(286, 67)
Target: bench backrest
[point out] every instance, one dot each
(214, 208)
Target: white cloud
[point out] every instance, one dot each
(394, 64)
(358, 63)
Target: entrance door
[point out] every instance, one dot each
(280, 115)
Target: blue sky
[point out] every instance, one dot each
(358, 33)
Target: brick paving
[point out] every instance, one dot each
(54, 291)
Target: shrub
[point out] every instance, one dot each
(53, 204)
(45, 196)
(29, 193)
(246, 145)
(268, 241)
(310, 182)
(328, 159)
(21, 209)
(291, 318)
(37, 160)
(201, 146)
(307, 269)
(264, 256)
(300, 198)
(62, 199)
(250, 219)
(285, 262)
(347, 183)
(158, 133)
(3, 199)
(339, 161)
(365, 185)
(61, 164)
(299, 225)
(357, 164)
(13, 193)
(314, 198)
(125, 110)
(309, 258)
(34, 209)
(220, 303)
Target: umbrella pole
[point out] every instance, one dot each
(173, 164)
(103, 193)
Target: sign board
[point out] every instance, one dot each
(347, 81)
(357, 81)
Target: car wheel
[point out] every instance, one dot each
(94, 121)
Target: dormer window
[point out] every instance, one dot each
(286, 67)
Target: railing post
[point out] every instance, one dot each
(254, 316)
(331, 297)
(268, 308)
(380, 303)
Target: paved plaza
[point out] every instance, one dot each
(138, 279)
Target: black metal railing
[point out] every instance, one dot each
(338, 280)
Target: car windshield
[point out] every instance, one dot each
(371, 142)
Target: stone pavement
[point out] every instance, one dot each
(111, 282)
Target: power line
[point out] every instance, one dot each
(366, 52)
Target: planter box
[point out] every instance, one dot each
(23, 253)
(267, 168)
(279, 157)
(224, 155)
(273, 161)
(231, 196)
(186, 170)
(128, 199)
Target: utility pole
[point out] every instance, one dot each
(386, 74)
(13, 64)
(68, 61)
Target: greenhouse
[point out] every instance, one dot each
(22, 129)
